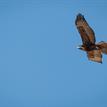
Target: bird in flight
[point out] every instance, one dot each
(94, 50)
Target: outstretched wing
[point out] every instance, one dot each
(86, 32)
(95, 55)
(103, 46)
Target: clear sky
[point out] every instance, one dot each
(40, 65)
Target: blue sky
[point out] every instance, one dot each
(40, 65)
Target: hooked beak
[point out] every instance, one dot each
(78, 47)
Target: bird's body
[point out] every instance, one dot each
(94, 50)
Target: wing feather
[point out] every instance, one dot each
(95, 55)
(86, 32)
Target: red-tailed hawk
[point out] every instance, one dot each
(94, 50)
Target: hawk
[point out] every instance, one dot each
(94, 50)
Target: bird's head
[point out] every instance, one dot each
(81, 47)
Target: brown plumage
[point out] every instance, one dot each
(94, 50)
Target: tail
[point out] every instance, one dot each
(103, 46)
